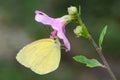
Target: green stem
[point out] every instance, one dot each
(99, 51)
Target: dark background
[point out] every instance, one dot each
(18, 28)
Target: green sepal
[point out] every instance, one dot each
(85, 32)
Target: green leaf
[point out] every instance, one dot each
(102, 35)
(89, 62)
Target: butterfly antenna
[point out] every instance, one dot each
(63, 46)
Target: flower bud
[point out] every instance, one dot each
(78, 31)
(72, 10)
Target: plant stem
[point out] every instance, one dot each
(99, 51)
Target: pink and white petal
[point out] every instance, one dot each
(43, 18)
(65, 40)
(58, 24)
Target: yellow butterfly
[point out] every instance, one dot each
(42, 56)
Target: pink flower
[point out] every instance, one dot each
(58, 24)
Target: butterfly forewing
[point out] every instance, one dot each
(42, 56)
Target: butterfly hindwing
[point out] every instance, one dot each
(42, 56)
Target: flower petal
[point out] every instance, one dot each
(65, 40)
(43, 18)
(58, 24)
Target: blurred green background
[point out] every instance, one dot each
(18, 28)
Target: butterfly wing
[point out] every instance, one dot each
(42, 56)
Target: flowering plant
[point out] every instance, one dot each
(58, 25)
(45, 53)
